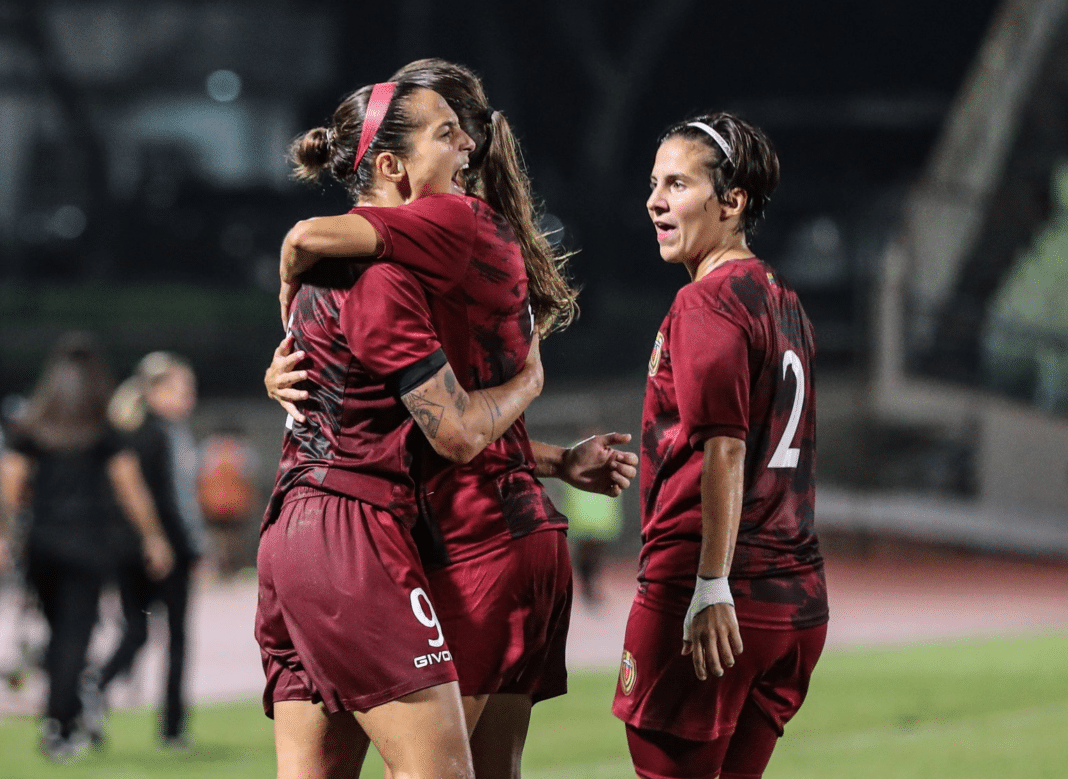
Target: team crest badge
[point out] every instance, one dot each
(654, 360)
(628, 672)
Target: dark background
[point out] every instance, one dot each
(169, 253)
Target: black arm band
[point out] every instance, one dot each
(418, 372)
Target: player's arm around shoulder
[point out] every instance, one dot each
(310, 240)
(458, 424)
(343, 235)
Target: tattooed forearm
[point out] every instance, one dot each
(459, 397)
(490, 406)
(495, 410)
(426, 413)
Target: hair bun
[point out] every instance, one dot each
(311, 153)
(316, 145)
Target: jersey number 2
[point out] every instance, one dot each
(785, 456)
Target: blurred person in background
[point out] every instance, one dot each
(66, 465)
(731, 611)
(226, 491)
(23, 652)
(153, 407)
(11, 525)
(487, 520)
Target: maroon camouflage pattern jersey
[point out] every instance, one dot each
(467, 257)
(734, 358)
(358, 333)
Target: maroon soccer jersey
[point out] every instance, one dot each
(468, 258)
(734, 358)
(358, 336)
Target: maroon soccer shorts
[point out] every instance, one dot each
(344, 616)
(506, 613)
(658, 690)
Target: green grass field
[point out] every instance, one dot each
(951, 711)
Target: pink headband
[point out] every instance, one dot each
(377, 106)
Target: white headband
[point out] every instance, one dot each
(715, 137)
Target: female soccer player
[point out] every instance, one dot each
(351, 645)
(730, 556)
(497, 558)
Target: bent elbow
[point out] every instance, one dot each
(459, 447)
(299, 234)
(458, 453)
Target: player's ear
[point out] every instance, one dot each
(390, 166)
(734, 202)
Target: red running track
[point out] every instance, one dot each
(889, 596)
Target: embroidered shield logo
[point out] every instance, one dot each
(654, 360)
(628, 672)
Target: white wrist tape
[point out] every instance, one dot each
(708, 592)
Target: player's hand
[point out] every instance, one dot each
(159, 557)
(282, 375)
(286, 293)
(714, 640)
(594, 465)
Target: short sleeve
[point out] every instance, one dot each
(710, 360)
(113, 442)
(386, 319)
(432, 237)
(21, 443)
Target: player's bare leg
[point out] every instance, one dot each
(498, 740)
(314, 744)
(472, 710)
(422, 735)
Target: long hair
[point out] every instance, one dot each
(68, 409)
(753, 166)
(498, 175)
(129, 405)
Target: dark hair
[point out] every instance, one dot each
(332, 149)
(753, 166)
(68, 408)
(498, 175)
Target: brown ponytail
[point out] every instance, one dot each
(507, 189)
(500, 178)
